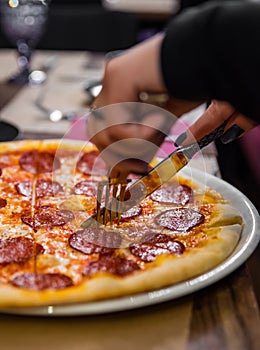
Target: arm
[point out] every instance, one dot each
(213, 52)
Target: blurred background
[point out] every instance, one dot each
(107, 25)
(101, 26)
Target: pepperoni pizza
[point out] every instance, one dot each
(48, 188)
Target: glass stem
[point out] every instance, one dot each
(24, 55)
(23, 60)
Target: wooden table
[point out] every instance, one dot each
(224, 315)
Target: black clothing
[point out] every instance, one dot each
(212, 51)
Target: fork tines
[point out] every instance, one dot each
(110, 195)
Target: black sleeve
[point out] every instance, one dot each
(212, 51)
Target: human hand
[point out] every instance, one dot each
(126, 77)
(128, 141)
(128, 135)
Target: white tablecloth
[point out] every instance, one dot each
(62, 90)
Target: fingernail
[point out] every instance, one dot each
(231, 134)
(114, 53)
(180, 139)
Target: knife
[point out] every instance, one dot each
(161, 173)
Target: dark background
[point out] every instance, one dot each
(85, 25)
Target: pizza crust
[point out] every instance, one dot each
(59, 144)
(223, 215)
(163, 272)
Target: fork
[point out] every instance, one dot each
(116, 191)
(113, 191)
(54, 115)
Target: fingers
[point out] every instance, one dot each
(243, 122)
(124, 168)
(214, 116)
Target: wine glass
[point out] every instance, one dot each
(23, 22)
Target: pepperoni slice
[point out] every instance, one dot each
(91, 164)
(131, 213)
(179, 219)
(43, 188)
(38, 281)
(18, 249)
(157, 245)
(39, 162)
(86, 187)
(113, 264)
(3, 202)
(47, 216)
(67, 215)
(170, 194)
(95, 241)
(47, 188)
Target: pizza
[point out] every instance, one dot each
(48, 189)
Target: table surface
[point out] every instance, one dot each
(224, 315)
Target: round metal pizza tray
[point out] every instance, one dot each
(248, 242)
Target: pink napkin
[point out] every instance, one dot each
(167, 146)
(78, 129)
